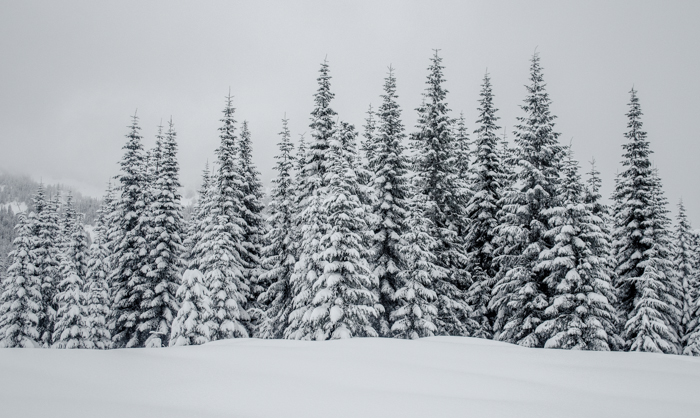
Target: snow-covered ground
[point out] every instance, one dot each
(433, 377)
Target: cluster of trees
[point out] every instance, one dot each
(453, 233)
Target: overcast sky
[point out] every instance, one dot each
(72, 74)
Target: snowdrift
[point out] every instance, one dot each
(373, 377)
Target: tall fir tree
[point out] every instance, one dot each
(311, 220)
(343, 303)
(279, 252)
(461, 137)
(645, 282)
(580, 314)
(447, 194)
(71, 328)
(482, 210)
(685, 261)
(254, 226)
(389, 166)
(96, 286)
(47, 231)
(128, 240)
(164, 237)
(221, 241)
(520, 294)
(21, 304)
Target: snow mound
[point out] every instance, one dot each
(373, 377)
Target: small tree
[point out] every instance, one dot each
(414, 300)
(192, 325)
(21, 302)
(71, 329)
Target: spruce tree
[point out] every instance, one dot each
(685, 262)
(520, 295)
(388, 163)
(96, 287)
(482, 210)
(414, 310)
(192, 325)
(46, 229)
(279, 252)
(311, 220)
(461, 137)
(343, 303)
(21, 303)
(71, 328)
(221, 243)
(165, 226)
(254, 225)
(447, 194)
(580, 314)
(128, 240)
(646, 285)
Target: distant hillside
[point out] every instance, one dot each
(16, 194)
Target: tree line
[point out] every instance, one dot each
(440, 231)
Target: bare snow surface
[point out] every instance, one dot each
(371, 377)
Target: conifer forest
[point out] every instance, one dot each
(379, 230)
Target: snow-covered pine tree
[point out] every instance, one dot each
(520, 294)
(254, 226)
(580, 314)
(221, 241)
(461, 136)
(482, 210)
(165, 226)
(447, 194)
(389, 165)
(691, 340)
(128, 238)
(201, 217)
(343, 303)
(645, 282)
(414, 310)
(46, 229)
(96, 287)
(21, 301)
(192, 325)
(364, 171)
(311, 221)
(71, 328)
(685, 261)
(279, 252)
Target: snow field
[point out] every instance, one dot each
(362, 377)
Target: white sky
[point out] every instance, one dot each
(72, 73)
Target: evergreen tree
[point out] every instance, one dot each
(446, 194)
(520, 295)
(311, 220)
(128, 240)
(96, 287)
(279, 252)
(461, 137)
(221, 243)
(254, 226)
(389, 166)
(46, 229)
(482, 210)
(343, 303)
(192, 325)
(414, 310)
(164, 218)
(71, 328)
(21, 301)
(580, 314)
(645, 282)
(691, 340)
(685, 261)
